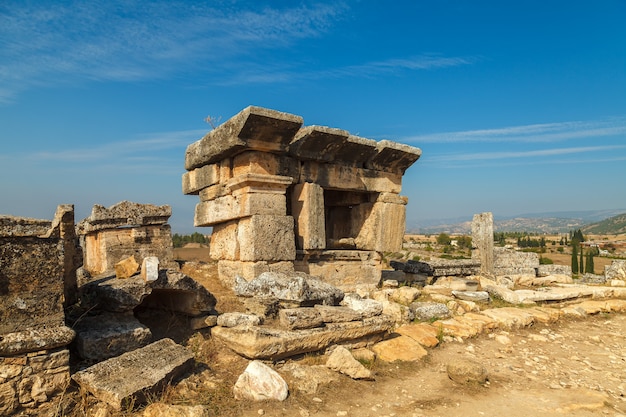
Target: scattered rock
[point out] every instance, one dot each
(426, 311)
(234, 319)
(464, 371)
(150, 268)
(365, 306)
(401, 348)
(259, 382)
(126, 268)
(405, 295)
(475, 296)
(341, 360)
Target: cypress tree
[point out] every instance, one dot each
(575, 259)
(589, 267)
(581, 265)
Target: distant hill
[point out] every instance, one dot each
(549, 222)
(612, 225)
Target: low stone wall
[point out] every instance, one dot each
(545, 270)
(510, 262)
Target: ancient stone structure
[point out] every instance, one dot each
(125, 229)
(280, 197)
(38, 261)
(482, 240)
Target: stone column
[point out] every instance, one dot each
(482, 242)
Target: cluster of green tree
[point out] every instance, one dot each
(500, 238)
(531, 243)
(181, 240)
(581, 262)
(463, 242)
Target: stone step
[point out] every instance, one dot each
(126, 380)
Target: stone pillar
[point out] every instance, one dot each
(307, 205)
(482, 242)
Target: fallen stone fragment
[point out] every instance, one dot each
(337, 314)
(267, 343)
(464, 371)
(475, 296)
(35, 339)
(260, 382)
(308, 379)
(341, 360)
(422, 333)
(300, 318)
(401, 348)
(234, 319)
(300, 288)
(425, 311)
(405, 295)
(126, 268)
(128, 378)
(150, 268)
(365, 306)
(107, 335)
(509, 317)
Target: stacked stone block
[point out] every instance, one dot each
(281, 196)
(37, 259)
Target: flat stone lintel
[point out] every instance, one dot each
(259, 183)
(35, 339)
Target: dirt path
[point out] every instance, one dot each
(573, 368)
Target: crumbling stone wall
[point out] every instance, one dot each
(280, 197)
(38, 261)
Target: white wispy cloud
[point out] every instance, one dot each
(131, 40)
(142, 148)
(483, 156)
(265, 75)
(546, 132)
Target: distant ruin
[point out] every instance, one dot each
(282, 197)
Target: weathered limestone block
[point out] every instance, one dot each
(382, 227)
(341, 360)
(300, 318)
(234, 319)
(400, 348)
(253, 128)
(232, 207)
(348, 270)
(349, 178)
(248, 270)
(337, 314)
(150, 268)
(318, 143)
(224, 243)
(130, 377)
(107, 335)
(105, 248)
(213, 192)
(173, 290)
(307, 205)
(364, 306)
(259, 382)
(426, 311)
(200, 178)
(393, 157)
(422, 333)
(264, 163)
(126, 267)
(266, 238)
(273, 344)
(547, 270)
(617, 270)
(124, 213)
(510, 262)
(31, 340)
(509, 318)
(296, 288)
(482, 241)
(35, 270)
(258, 183)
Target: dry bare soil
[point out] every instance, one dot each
(573, 368)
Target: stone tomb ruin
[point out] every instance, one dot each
(282, 197)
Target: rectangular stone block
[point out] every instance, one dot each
(350, 178)
(393, 157)
(224, 244)
(265, 163)
(232, 207)
(254, 128)
(266, 238)
(129, 378)
(199, 178)
(213, 192)
(307, 206)
(382, 226)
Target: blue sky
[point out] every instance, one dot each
(517, 106)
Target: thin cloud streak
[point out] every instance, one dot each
(136, 148)
(481, 156)
(548, 132)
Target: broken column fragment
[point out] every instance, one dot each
(482, 241)
(280, 197)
